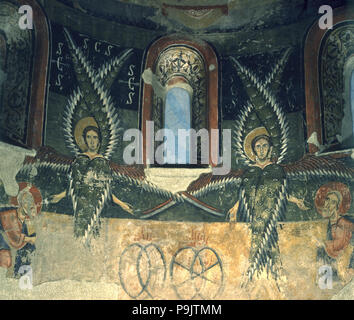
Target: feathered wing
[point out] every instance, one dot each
(262, 110)
(110, 69)
(241, 128)
(92, 98)
(318, 167)
(264, 245)
(76, 102)
(207, 182)
(130, 185)
(90, 188)
(91, 179)
(48, 170)
(215, 194)
(47, 157)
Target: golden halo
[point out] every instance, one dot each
(342, 188)
(37, 197)
(79, 129)
(247, 144)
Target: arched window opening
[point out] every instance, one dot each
(183, 95)
(177, 117)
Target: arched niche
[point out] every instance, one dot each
(24, 66)
(326, 55)
(185, 63)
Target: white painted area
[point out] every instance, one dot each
(347, 293)
(58, 290)
(314, 140)
(11, 161)
(150, 78)
(174, 179)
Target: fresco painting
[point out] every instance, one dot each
(18, 235)
(262, 231)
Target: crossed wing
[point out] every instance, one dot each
(262, 109)
(92, 98)
(207, 182)
(211, 192)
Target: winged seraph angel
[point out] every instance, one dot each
(91, 127)
(261, 189)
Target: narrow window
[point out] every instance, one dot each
(188, 73)
(177, 116)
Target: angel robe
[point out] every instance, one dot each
(262, 190)
(90, 185)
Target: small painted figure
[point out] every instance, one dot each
(15, 234)
(332, 202)
(90, 180)
(263, 194)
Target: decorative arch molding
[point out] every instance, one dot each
(183, 62)
(325, 54)
(25, 68)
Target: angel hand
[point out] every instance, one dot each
(30, 240)
(127, 207)
(57, 197)
(232, 212)
(299, 202)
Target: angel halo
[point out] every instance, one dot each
(81, 125)
(247, 144)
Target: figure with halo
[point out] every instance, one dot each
(17, 235)
(90, 179)
(261, 186)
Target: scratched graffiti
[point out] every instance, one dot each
(197, 273)
(142, 271)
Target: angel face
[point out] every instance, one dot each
(261, 149)
(92, 140)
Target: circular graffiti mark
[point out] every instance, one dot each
(142, 270)
(197, 273)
